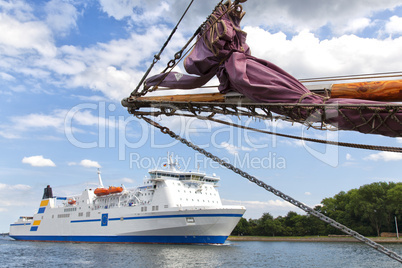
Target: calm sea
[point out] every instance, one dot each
(231, 254)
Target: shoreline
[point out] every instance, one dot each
(312, 239)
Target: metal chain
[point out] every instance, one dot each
(278, 193)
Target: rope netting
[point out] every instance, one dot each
(311, 115)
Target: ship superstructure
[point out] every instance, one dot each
(171, 206)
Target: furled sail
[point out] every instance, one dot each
(222, 51)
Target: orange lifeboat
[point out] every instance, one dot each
(71, 201)
(115, 190)
(101, 191)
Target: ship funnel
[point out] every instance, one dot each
(47, 192)
(100, 179)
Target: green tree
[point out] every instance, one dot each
(394, 206)
(368, 210)
(370, 203)
(242, 228)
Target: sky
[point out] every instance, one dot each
(66, 65)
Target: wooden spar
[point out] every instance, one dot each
(390, 90)
(205, 97)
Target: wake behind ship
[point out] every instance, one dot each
(172, 206)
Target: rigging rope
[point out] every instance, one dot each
(278, 193)
(315, 113)
(352, 77)
(157, 56)
(179, 55)
(336, 143)
(321, 79)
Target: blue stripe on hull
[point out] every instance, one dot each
(127, 239)
(162, 216)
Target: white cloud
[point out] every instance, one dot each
(307, 193)
(232, 149)
(78, 116)
(89, 163)
(384, 156)
(61, 16)
(349, 157)
(127, 180)
(6, 76)
(21, 37)
(13, 195)
(356, 25)
(291, 15)
(118, 8)
(20, 9)
(305, 55)
(294, 15)
(394, 26)
(38, 161)
(18, 187)
(254, 209)
(18, 125)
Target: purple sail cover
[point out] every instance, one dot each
(222, 51)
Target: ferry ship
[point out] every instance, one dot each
(171, 207)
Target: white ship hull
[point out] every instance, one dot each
(205, 226)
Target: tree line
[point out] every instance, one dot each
(369, 210)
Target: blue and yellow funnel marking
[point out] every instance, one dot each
(43, 205)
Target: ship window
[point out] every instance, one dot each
(67, 215)
(80, 214)
(70, 209)
(166, 206)
(190, 220)
(88, 214)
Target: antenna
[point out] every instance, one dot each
(100, 179)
